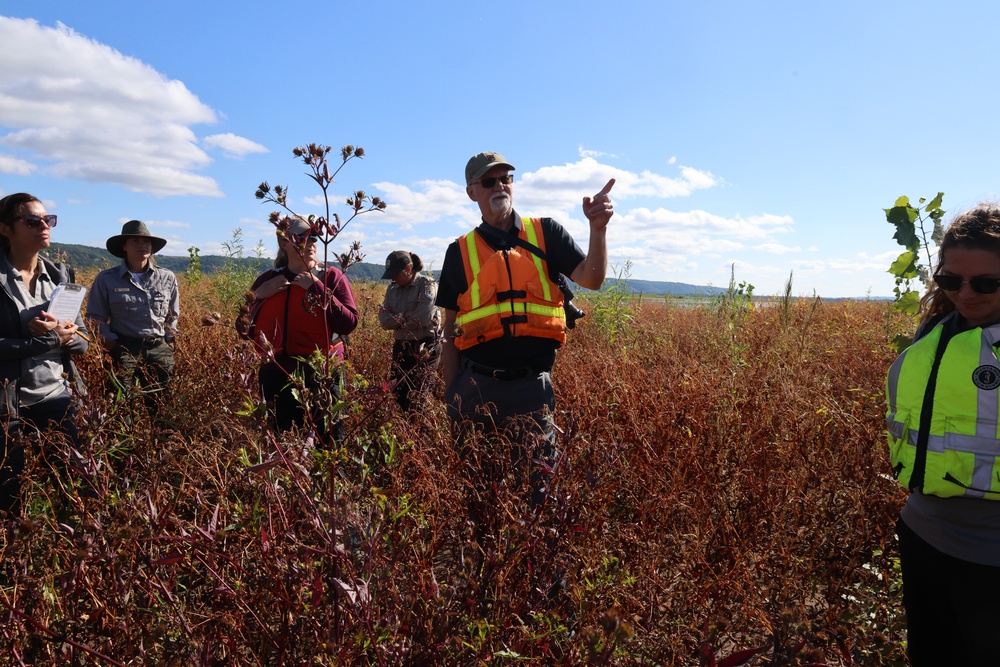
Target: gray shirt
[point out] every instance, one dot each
(144, 308)
(409, 312)
(41, 375)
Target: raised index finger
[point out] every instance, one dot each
(606, 189)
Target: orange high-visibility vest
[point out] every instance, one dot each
(293, 325)
(510, 292)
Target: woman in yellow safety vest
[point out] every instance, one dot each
(944, 414)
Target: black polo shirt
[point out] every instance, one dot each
(563, 256)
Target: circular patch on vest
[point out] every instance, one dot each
(986, 377)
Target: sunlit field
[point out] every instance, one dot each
(723, 498)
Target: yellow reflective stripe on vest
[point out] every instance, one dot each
(529, 230)
(514, 308)
(471, 246)
(982, 450)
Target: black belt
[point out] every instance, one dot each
(148, 343)
(519, 373)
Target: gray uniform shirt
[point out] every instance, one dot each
(409, 312)
(123, 306)
(41, 375)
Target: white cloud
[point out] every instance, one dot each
(424, 202)
(169, 224)
(697, 225)
(429, 201)
(233, 146)
(776, 248)
(12, 165)
(590, 153)
(83, 110)
(563, 187)
(820, 266)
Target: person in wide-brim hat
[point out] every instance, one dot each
(136, 307)
(116, 244)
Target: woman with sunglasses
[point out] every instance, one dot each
(299, 308)
(409, 312)
(944, 438)
(36, 369)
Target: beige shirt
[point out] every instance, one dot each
(409, 312)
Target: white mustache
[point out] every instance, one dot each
(500, 202)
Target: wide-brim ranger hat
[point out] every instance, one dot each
(396, 262)
(132, 229)
(480, 163)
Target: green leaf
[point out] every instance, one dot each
(902, 201)
(900, 342)
(906, 233)
(908, 302)
(901, 214)
(935, 204)
(507, 653)
(905, 266)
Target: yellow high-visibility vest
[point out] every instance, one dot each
(943, 395)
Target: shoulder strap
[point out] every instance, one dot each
(488, 233)
(950, 328)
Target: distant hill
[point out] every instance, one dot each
(89, 257)
(660, 288)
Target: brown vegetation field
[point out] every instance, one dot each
(723, 498)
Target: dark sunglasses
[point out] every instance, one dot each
(488, 183)
(979, 284)
(304, 238)
(35, 221)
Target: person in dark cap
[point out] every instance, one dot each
(409, 312)
(296, 309)
(504, 317)
(136, 307)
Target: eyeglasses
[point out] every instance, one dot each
(979, 284)
(35, 221)
(488, 183)
(304, 238)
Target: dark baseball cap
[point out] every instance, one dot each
(396, 262)
(480, 163)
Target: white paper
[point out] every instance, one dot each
(66, 301)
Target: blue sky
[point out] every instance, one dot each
(763, 135)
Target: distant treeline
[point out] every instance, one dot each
(89, 257)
